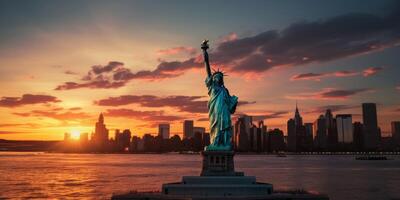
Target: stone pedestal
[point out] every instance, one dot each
(218, 163)
(218, 179)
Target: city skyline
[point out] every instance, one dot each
(63, 63)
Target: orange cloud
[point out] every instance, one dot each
(27, 99)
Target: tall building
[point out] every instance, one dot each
(291, 135)
(298, 120)
(84, 137)
(164, 131)
(332, 137)
(297, 140)
(100, 135)
(67, 136)
(241, 139)
(309, 132)
(371, 130)
(200, 130)
(253, 138)
(123, 139)
(320, 131)
(396, 132)
(344, 125)
(264, 136)
(275, 141)
(358, 136)
(188, 129)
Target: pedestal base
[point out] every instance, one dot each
(217, 186)
(218, 179)
(218, 163)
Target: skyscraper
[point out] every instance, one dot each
(100, 135)
(164, 131)
(309, 132)
(344, 128)
(291, 135)
(241, 140)
(396, 132)
(188, 129)
(358, 140)
(123, 139)
(370, 121)
(320, 132)
(331, 129)
(296, 133)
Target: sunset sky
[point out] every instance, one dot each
(138, 62)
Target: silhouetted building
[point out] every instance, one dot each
(123, 139)
(100, 135)
(241, 139)
(164, 130)
(331, 130)
(200, 130)
(371, 130)
(320, 131)
(206, 139)
(309, 132)
(84, 138)
(396, 132)
(297, 139)
(188, 129)
(358, 136)
(253, 138)
(344, 125)
(67, 136)
(264, 136)
(275, 140)
(291, 135)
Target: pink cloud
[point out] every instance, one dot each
(372, 71)
(177, 50)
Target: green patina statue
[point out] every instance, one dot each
(220, 107)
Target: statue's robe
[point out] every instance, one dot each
(220, 107)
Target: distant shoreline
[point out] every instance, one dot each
(237, 153)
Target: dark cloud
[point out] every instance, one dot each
(142, 115)
(115, 75)
(330, 93)
(27, 99)
(298, 44)
(192, 104)
(55, 114)
(307, 76)
(333, 108)
(306, 42)
(260, 117)
(319, 76)
(270, 115)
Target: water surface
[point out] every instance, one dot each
(97, 176)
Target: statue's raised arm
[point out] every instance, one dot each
(204, 46)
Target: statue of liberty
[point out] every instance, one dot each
(220, 107)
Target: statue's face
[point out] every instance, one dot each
(218, 78)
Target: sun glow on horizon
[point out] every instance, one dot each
(75, 134)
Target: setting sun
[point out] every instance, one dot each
(75, 134)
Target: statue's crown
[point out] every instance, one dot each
(218, 72)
